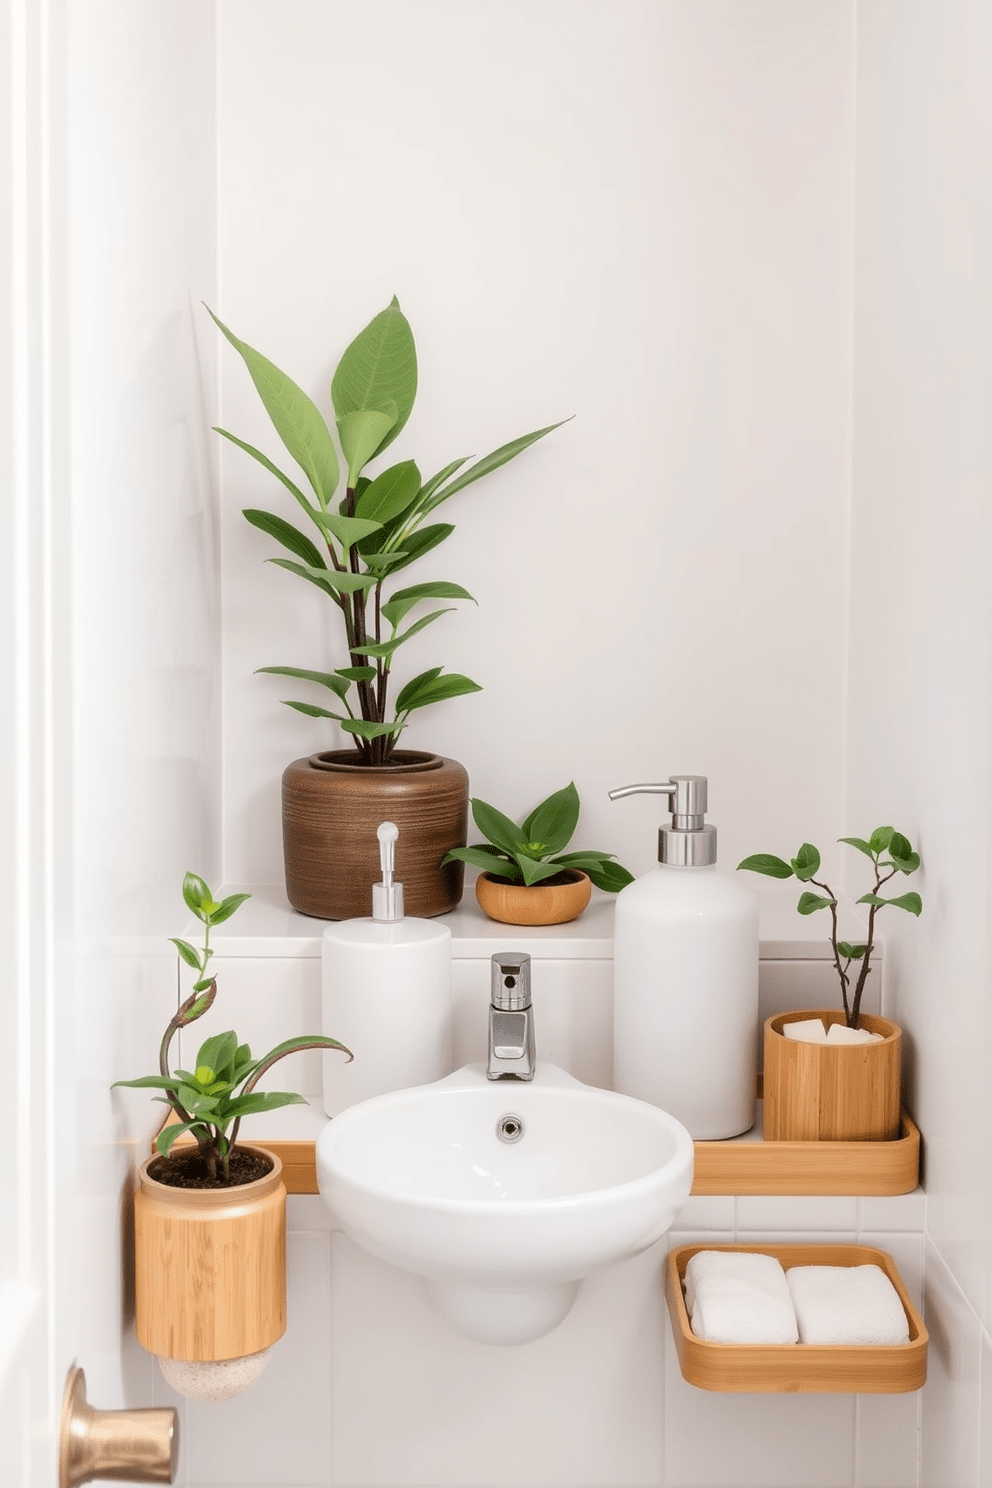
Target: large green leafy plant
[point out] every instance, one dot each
(211, 1099)
(532, 852)
(365, 537)
(890, 853)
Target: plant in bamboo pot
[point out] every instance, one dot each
(830, 1074)
(209, 1211)
(527, 878)
(359, 539)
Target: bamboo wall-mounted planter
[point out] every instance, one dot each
(831, 1092)
(210, 1267)
(798, 1368)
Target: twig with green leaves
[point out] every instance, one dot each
(532, 852)
(211, 1099)
(806, 864)
(375, 531)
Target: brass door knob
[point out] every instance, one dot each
(127, 1446)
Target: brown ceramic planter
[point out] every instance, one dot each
(210, 1267)
(831, 1093)
(541, 904)
(331, 808)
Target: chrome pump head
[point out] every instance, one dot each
(688, 842)
(387, 896)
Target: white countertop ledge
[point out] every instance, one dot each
(266, 926)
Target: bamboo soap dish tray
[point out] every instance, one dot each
(798, 1368)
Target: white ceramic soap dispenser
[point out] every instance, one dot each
(685, 977)
(386, 990)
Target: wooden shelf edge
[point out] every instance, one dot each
(842, 1168)
(798, 1368)
(874, 1169)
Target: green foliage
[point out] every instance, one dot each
(373, 530)
(211, 1099)
(901, 858)
(532, 852)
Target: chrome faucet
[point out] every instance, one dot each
(511, 1019)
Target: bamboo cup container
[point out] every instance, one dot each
(831, 1092)
(210, 1267)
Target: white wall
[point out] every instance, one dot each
(636, 213)
(921, 633)
(139, 738)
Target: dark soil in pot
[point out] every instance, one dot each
(187, 1169)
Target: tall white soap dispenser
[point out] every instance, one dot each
(386, 990)
(685, 977)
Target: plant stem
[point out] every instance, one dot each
(865, 964)
(841, 972)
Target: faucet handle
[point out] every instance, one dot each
(510, 981)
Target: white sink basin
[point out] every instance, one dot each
(504, 1231)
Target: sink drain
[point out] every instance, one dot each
(509, 1128)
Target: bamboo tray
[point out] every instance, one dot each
(798, 1368)
(872, 1168)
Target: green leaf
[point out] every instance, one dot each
(337, 684)
(280, 475)
(533, 870)
(489, 463)
(196, 894)
(609, 876)
(228, 907)
(312, 575)
(168, 1134)
(404, 600)
(289, 536)
(187, 952)
(859, 843)
(365, 730)
(379, 367)
(390, 494)
(912, 902)
(362, 433)
(262, 1100)
(416, 544)
(312, 710)
(851, 952)
(349, 531)
(767, 864)
(880, 838)
(810, 903)
(195, 1102)
(356, 674)
(906, 865)
(806, 862)
(554, 821)
(486, 858)
(438, 690)
(497, 828)
(217, 1052)
(439, 479)
(149, 1082)
(899, 846)
(295, 417)
(329, 579)
(201, 986)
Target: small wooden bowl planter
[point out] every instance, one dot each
(831, 1092)
(541, 904)
(210, 1267)
(798, 1368)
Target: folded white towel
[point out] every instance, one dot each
(806, 1030)
(846, 1304)
(839, 1033)
(739, 1297)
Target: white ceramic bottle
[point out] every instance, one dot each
(685, 977)
(386, 992)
